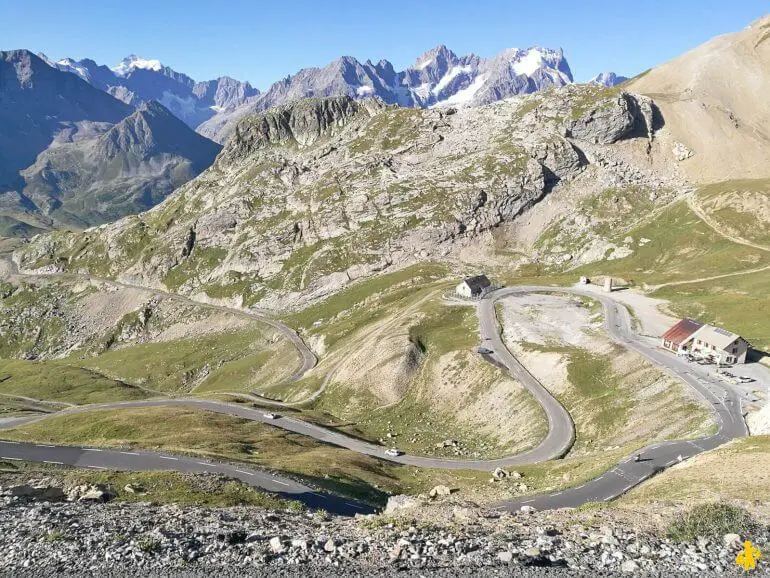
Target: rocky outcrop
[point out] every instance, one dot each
(609, 121)
(302, 123)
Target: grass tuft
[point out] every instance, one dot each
(713, 521)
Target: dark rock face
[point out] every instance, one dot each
(36, 101)
(609, 124)
(129, 168)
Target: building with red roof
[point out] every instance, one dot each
(676, 339)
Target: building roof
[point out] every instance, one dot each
(715, 336)
(682, 330)
(477, 283)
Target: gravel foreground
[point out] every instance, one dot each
(40, 538)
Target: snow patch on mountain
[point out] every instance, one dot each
(450, 76)
(423, 65)
(132, 62)
(529, 63)
(465, 95)
(183, 108)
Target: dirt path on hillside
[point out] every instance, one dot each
(701, 214)
(712, 278)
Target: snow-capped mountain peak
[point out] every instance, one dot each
(70, 65)
(132, 62)
(526, 62)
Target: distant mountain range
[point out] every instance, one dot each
(136, 80)
(439, 77)
(82, 143)
(72, 155)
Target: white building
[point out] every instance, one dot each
(477, 286)
(719, 344)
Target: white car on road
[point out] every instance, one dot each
(270, 415)
(393, 452)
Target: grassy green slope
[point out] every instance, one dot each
(740, 303)
(62, 381)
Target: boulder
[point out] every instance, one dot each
(41, 492)
(90, 493)
(610, 121)
(505, 557)
(401, 502)
(731, 540)
(499, 474)
(629, 566)
(681, 152)
(133, 489)
(97, 494)
(330, 546)
(439, 491)
(276, 545)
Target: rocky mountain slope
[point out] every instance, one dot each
(128, 169)
(137, 80)
(72, 155)
(446, 538)
(308, 197)
(713, 101)
(438, 77)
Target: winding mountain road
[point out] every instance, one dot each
(141, 461)
(725, 404)
(561, 434)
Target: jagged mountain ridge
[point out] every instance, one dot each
(137, 80)
(72, 155)
(438, 77)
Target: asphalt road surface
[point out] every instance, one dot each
(139, 461)
(725, 403)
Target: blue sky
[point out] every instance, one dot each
(263, 41)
